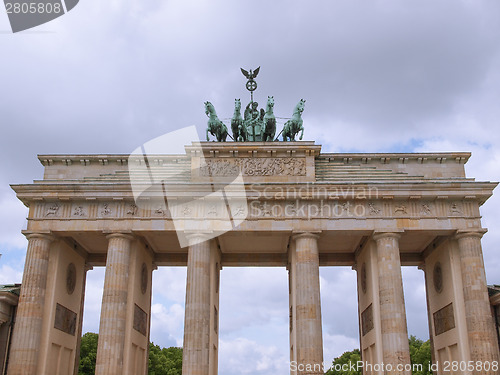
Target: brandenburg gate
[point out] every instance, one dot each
(237, 204)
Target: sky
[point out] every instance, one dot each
(378, 76)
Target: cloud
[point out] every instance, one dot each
(336, 345)
(167, 324)
(339, 301)
(252, 297)
(170, 283)
(9, 275)
(415, 302)
(243, 356)
(93, 300)
(12, 222)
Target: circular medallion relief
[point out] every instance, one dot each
(437, 277)
(144, 278)
(70, 278)
(363, 277)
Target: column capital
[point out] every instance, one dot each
(463, 233)
(123, 234)
(305, 234)
(196, 237)
(45, 235)
(377, 235)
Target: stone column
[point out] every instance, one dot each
(87, 268)
(28, 327)
(196, 351)
(395, 348)
(110, 348)
(308, 309)
(480, 327)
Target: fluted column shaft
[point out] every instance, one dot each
(395, 348)
(28, 328)
(110, 349)
(480, 326)
(308, 308)
(196, 351)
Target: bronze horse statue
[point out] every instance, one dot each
(240, 132)
(269, 129)
(294, 125)
(215, 126)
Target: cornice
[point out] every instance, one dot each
(402, 158)
(256, 148)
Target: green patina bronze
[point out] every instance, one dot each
(269, 121)
(294, 125)
(215, 126)
(254, 121)
(255, 125)
(240, 133)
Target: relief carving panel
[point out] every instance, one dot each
(65, 320)
(222, 167)
(140, 320)
(367, 320)
(444, 319)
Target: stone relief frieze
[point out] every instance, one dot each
(455, 209)
(239, 211)
(187, 210)
(373, 209)
(106, 209)
(258, 208)
(160, 211)
(132, 209)
(52, 209)
(254, 167)
(426, 209)
(401, 209)
(79, 211)
(212, 211)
